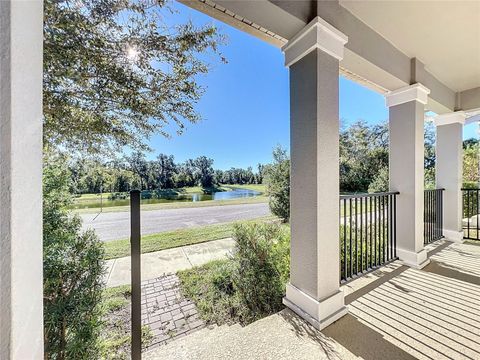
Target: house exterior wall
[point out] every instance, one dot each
(21, 284)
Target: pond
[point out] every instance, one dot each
(235, 193)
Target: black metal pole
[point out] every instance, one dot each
(136, 275)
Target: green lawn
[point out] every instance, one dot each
(171, 239)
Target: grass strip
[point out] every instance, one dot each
(171, 239)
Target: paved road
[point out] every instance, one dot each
(116, 225)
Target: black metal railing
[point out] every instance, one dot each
(367, 232)
(471, 214)
(433, 215)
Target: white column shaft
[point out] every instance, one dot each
(21, 285)
(407, 177)
(449, 175)
(313, 291)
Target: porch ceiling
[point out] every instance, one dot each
(391, 43)
(444, 35)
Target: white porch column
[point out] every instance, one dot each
(449, 171)
(406, 110)
(21, 285)
(313, 58)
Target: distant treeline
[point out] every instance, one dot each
(136, 172)
(363, 166)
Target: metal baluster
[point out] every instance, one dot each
(468, 214)
(345, 239)
(356, 239)
(366, 233)
(395, 225)
(478, 214)
(361, 234)
(350, 259)
(370, 230)
(375, 230)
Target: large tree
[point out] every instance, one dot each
(205, 172)
(363, 155)
(166, 171)
(115, 72)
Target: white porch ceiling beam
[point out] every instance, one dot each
(469, 99)
(472, 119)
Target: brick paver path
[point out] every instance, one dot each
(166, 311)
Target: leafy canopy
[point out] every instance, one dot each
(115, 72)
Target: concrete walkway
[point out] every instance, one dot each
(395, 313)
(168, 261)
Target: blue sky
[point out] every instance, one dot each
(246, 103)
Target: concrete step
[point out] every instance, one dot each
(280, 336)
(182, 348)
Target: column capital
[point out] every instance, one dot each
(415, 92)
(450, 118)
(318, 34)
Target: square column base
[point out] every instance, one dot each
(321, 313)
(415, 260)
(454, 236)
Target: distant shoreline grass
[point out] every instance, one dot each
(262, 198)
(177, 205)
(172, 239)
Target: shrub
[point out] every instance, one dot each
(277, 181)
(73, 272)
(471, 185)
(211, 288)
(119, 196)
(261, 267)
(250, 284)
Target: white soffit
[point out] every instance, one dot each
(444, 35)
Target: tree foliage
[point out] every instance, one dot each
(115, 72)
(380, 183)
(429, 155)
(277, 181)
(73, 273)
(135, 171)
(471, 162)
(363, 154)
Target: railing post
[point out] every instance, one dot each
(135, 237)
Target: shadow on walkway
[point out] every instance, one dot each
(363, 341)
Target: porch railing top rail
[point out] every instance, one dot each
(363, 195)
